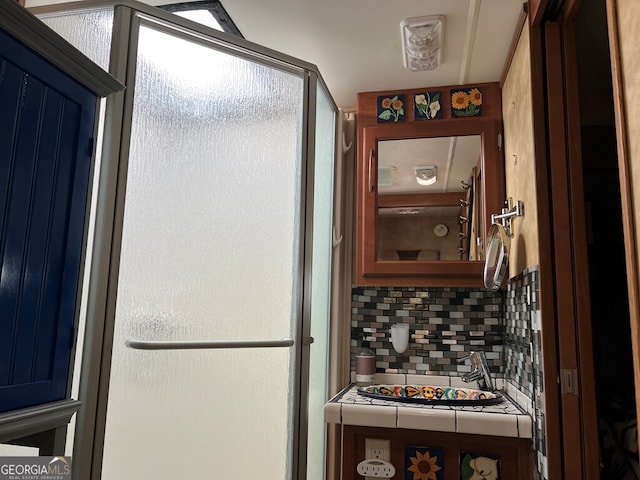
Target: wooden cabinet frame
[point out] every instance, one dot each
(515, 453)
(369, 270)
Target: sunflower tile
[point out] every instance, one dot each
(424, 463)
(466, 102)
(391, 108)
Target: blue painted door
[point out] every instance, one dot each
(46, 127)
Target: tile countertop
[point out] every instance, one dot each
(505, 419)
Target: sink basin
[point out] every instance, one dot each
(431, 395)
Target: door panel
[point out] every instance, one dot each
(211, 251)
(45, 159)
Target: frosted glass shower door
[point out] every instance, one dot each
(211, 252)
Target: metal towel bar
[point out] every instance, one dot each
(206, 345)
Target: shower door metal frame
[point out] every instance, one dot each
(103, 280)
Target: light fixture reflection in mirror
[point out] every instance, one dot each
(385, 175)
(426, 175)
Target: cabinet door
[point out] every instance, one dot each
(422, 454)
(448, 207)
(46, 128)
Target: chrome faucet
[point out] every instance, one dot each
(480, 370)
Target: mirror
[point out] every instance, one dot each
(428, 199)
(495, 266)
(426, 245)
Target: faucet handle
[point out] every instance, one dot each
(470, 377)
(466, 357)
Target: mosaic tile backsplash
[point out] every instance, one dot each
(447, 322)
(523, 354)
(521, 307)
(444, 324)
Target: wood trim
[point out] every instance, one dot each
(340, 330)
(626, 191)
(562, 243)
(583, 330)
(514, 43)
(334, 447)
(547, 310)
(420, 200)
(33, 420)
(27, 29)
(371, 272)
(473, 279)
(367, 105)
(536, 11)
(515, 453)
(49, 443)
(570, 9)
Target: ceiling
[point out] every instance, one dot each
(356, 44)
(453, 157)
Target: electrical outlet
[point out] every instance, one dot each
(373, 469)
(377, 448)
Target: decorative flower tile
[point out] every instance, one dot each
(427, 394)
(424, 463)
(479, 466)
(427, 106)
(466, 102)
(391, 108)
(349, 395)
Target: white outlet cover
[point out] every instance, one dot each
(374, 468)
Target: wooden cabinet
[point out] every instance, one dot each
(412, 234)
(511, 456)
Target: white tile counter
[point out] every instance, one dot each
(505, 419)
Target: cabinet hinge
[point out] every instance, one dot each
(499, 141)
(569, 381)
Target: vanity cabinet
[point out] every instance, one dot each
(426, 187)
(447, 455)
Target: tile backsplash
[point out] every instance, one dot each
(522, 332)
(523, 356)
(444, 324)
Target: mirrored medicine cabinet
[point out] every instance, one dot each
(425, 195)
(437, 218)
